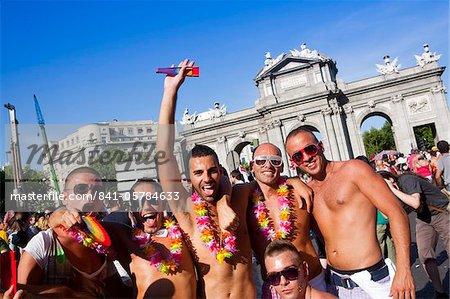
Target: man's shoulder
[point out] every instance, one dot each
(408, 177)
(444, 160)
(407, 180)
(242, 189)
(42, 240)
(351, 166)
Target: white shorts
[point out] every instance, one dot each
(367, 288)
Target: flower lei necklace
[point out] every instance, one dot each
(91, 235)
(262, 216)
(221, 251)
(169, 265)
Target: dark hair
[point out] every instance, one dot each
(442, 146)
(224, 171)
(201, 150)
(134, 203)
(237, 175)
(299, 130)
(387, 175)
(83, 169)
(280, 246)
(363, 158)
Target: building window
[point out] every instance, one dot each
(318, 77)
(140, 130)
(149, 130)
(121, 131)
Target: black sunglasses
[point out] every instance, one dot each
(310, 150)
(274, 278)
(84, 189)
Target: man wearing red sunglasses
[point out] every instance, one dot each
(346, 197)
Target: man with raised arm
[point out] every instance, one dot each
(223, 258)
(274, 214)
(346, 197)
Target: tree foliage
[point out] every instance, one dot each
(33, 181)
(105, 164)
(376, 141)
(424, 137)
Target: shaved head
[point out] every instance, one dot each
(265, 148)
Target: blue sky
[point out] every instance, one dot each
(91, 61)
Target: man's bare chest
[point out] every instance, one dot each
(334, 194)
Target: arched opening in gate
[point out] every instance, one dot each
(377, 133)
(241, 155)
(425, 136)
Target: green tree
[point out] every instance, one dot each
(33, 181)
(105, 164)
(424, 137)
(376, 141)
(2, 191)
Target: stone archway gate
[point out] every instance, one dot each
(300, 89)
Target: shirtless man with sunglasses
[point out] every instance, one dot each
(287, 272)
(346, 197)
(267, 166)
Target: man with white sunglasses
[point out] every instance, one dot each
(275, 214)
(346, 197)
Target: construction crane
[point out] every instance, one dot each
(16, 163)
(41, 123)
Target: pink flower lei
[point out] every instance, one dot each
(83, 238)
(207, 235)
(169, 265)
(262, 216)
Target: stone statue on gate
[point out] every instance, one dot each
(388, 67)
(427, 56)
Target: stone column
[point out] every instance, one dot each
(354, 132)
(262, 134)
(339, 129)
(402, 130)
(331, 135)
(222, 150)
(442, 112)
(275, 134)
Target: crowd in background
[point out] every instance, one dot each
(17, 229)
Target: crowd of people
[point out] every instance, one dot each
(202, 245)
